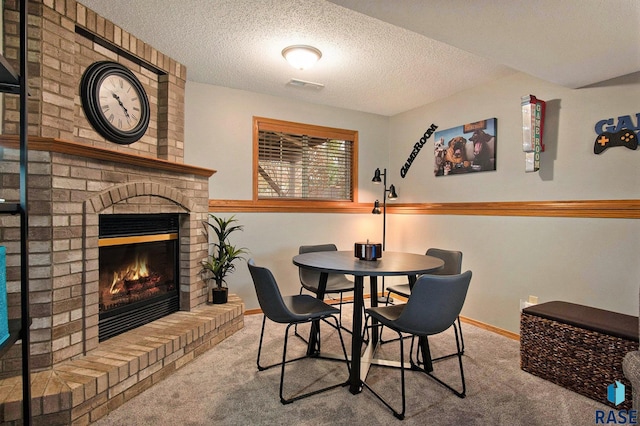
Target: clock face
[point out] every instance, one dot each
(120, 102)
(115, 102)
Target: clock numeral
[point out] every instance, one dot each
(134, 117)
(105, 108)
(111, 118)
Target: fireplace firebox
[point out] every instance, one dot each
(138, 270)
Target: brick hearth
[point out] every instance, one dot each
(83, 390)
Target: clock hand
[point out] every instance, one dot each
(126, 113)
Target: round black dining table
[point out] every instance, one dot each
(345, 262)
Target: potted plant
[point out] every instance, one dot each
(222, 254)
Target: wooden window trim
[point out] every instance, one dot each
(270, 124)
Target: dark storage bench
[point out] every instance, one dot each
(578, 347)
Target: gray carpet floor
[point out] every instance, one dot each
(224, 387)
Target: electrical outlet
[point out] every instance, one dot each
(532, 300)
(524, 304)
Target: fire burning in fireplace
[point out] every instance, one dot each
(134, 282)
(138, 271)
(135, 278)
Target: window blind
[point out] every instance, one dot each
(304, 166)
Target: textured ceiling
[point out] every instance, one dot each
(382, 56)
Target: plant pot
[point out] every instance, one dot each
(219, 295)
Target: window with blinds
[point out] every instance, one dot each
(303, 162)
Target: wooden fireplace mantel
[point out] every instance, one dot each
(82, 150)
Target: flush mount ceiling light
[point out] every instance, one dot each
(301, 57)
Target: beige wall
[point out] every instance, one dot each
(590, 261)
(569, 171)
(219, 130)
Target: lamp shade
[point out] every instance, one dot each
(376, 177)
(376, 208)
(392, 193)
(301, 57)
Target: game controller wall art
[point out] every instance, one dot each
(466, 149)
(622, 133)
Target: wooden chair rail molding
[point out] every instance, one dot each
(615, 209)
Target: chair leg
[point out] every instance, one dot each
(283, 400)
(399, 415)
(460, 394)
(298, 335)
(339, 320)
(344, 352)
(460, 349)
(388, 298)
(295, 329)
(284, 362)
(262, 367)
(382, 342)
(415, 364)
(461, 336)
(365, 331)
(340, 316)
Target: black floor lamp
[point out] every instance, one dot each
(391, 194)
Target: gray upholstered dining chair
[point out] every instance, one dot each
(290, 310)
(434, 305)
(336, 283)
(452, 266)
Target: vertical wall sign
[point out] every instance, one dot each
(4, 314)
(622, 134)
(532, 130)
(416, 149)
(467, 148)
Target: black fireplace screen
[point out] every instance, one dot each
(138, 271)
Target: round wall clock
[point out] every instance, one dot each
(114, 102)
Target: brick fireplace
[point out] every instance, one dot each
(72, 186)
(76, 177)
(73, 190)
